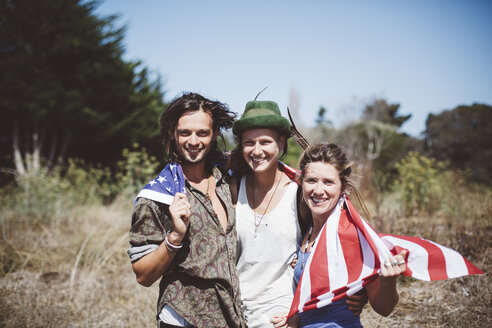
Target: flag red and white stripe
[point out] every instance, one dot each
(348, 253)
(291, 172)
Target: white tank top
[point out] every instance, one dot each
(265, 274)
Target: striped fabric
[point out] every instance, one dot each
(292, 173)
(348, 253)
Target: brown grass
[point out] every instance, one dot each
(75, 272)
(43, 284)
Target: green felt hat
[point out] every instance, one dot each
(261, 114)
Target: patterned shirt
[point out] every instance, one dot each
(203, 284)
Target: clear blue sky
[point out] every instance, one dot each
(427, 56)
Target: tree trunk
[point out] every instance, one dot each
(28, 159)
(64, 146)
(36, 149)
(19, 163)
(54, 142)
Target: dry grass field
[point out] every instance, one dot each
(73, 271)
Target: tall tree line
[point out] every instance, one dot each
(459, 137)
(65, 90)
(462, 137)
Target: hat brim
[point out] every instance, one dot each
(275, 122)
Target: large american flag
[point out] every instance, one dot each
(348, 253)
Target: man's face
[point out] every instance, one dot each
(194, 136)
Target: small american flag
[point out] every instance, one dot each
(348, 254)
(163, 188)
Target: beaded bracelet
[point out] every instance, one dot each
(172, 248)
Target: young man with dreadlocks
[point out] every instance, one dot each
(189, 240)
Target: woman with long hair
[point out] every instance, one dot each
(325, 181)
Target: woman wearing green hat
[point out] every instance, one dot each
(266, 213)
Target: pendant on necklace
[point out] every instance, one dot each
(257, 225)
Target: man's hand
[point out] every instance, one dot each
(180, 211)
(152, 266)
(357, 301)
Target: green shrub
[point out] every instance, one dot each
(292, 157)
(134, 171)
(48, 195)
(422, 183)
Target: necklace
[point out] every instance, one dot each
(208, 187)
(258, 222)
(306, 247)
